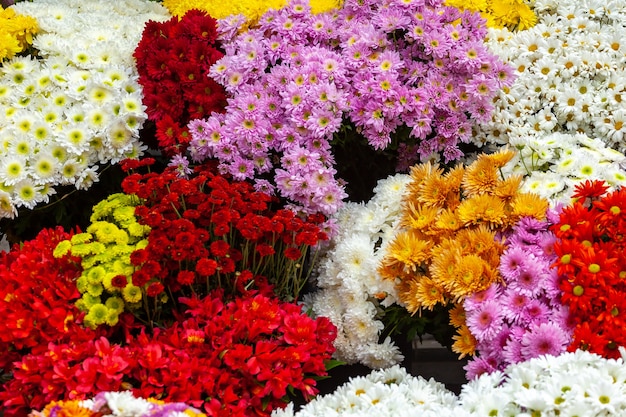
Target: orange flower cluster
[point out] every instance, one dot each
(448, 246)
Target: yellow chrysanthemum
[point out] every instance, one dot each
(481, 177)
(529, 204)
(97, 315)
(506, 189)
(115, 304)
(482, 209)
(321, 6)
(443, 260)
(434, 191)
(17, 32)
(419, 174)
(447, 222)
(62, 249)
(407, 249)
(457, 315)
(81, 238)
(464, 342)
(429, 293)
(418, 216)
(104, 231)
(81, 249)
(527, 17)
(407, 293)
(132, 293)
(501, 157)
(9, 46)
(471, 274)
(251, 9)
(477, 241)
(95, 275)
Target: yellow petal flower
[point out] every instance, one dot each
(482, 209)
(529, 204)
(464, 342)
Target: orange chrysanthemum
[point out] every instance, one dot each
(430, 293)
(418, 216)
(407, 249)
(457, 315)
(464, 342)
(482, 209)
(529, 204)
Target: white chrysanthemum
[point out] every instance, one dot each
(7, 206)
(569, 74)
(45, 167)
(125, 404)
(356, 255)
(13, 169)
(373, 396)
(82, 85)
(26, 193)
(380, 355)
(348, 269)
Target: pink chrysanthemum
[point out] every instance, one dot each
(544, 339)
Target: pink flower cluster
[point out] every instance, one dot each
(298, 79)
(522, 317)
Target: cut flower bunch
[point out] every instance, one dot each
(591, 265)
(349, 289)
(216, 351)
(302, 83)
(569, 75)
(121, 404)
(572, 384)
(520, 316)
(450, 236)
(173, 60)
(74, 106)
(245, 10)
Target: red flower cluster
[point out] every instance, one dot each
(37, 295)
(173, 60)
(240, 358)
(591, 244)
(35, 292)
(208, 232)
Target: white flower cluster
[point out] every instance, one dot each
(382, 393)
(571, 384)
(77, 104)
(553, 164)
(351, 292)
(571, 74)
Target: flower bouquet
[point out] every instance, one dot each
(72, 109)
(174, 294)
(590, 264)
(450, 236)
(301, 86)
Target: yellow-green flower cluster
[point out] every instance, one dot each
(105, 249)
(251, 9)
(16, 34)
(513, 14)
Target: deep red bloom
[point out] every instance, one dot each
(186, 277)
(154, 289)
(206, 267)
(293, 253)
(119, 281)
(219, 248)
